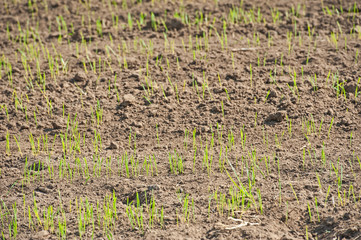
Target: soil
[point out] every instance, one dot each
(274, 107)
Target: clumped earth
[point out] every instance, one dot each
(180, 119)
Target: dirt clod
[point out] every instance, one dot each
(178, 109)
(278, 116)
(56, 125)
(351, 87)
(80, 77)
(113, 146)
(42, 235)
(129, 99)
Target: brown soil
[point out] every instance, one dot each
(274, 109)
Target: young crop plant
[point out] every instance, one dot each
(58, 127)
(7, 143)
(176, 163)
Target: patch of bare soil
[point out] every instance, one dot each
(180, 119)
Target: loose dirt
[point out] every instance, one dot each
(106, 121)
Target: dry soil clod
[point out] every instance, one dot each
(80, 77)
(278, 116)
(128, 99)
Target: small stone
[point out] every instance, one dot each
(113, 145)
(128, 99)
(276, 117)
(80, 77)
